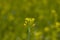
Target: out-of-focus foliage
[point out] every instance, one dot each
(42, 23)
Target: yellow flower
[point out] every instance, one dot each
(46, 29)
(33, 25)
(37, 33)
(53, 11)
(24, 24)
(57, 24)
(33, 19)
(28, 19)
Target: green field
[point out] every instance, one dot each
(29, 19)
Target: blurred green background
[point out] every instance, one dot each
(46, 25)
